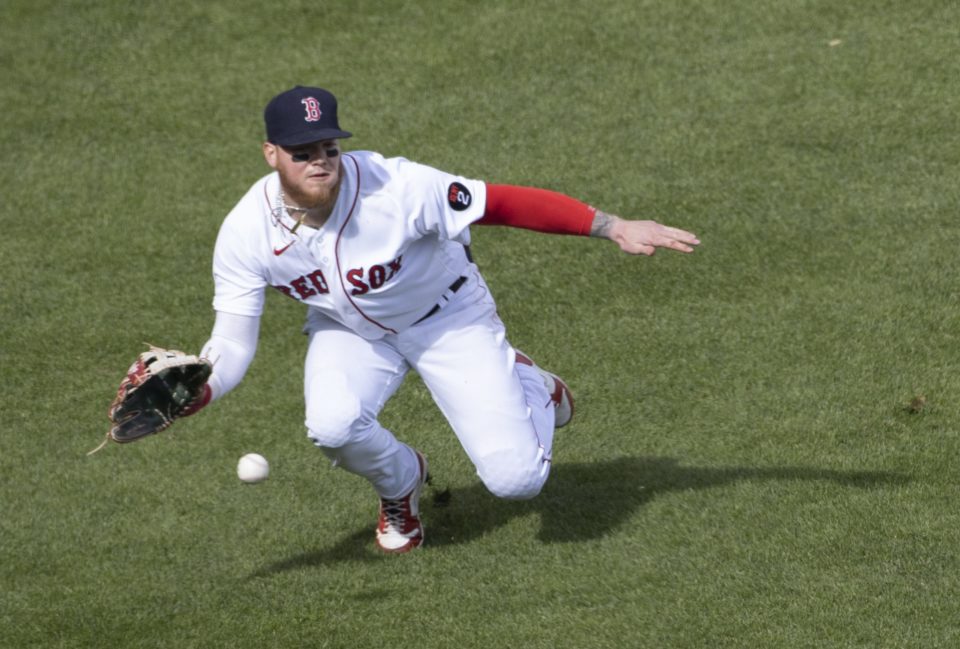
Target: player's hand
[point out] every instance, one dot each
(644, 237)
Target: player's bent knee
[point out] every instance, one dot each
(523, 487)
(508, 476)
(330, 432)
(327, 438)
(332, 413)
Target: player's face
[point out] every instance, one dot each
(310, 173)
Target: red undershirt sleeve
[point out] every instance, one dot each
(536, 209)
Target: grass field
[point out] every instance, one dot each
(745, 469)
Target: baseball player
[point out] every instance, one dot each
(377, 249)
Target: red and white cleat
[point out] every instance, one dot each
(399, 529)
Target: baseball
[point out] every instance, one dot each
(253, 467)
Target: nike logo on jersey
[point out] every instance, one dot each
(280, 251)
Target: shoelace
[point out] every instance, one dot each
(394, 513)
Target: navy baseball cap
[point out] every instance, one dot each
(302, 115)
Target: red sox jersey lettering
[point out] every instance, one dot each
(316, 284)
(305, 286)
(376, 277)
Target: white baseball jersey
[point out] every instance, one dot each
(388, 253)
(389, 250)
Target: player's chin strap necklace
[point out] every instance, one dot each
(290, 209)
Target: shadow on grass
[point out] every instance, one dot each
(580, 502)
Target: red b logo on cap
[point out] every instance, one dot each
(313, 109)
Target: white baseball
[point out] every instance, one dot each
(253, 467)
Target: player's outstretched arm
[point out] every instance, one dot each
(548, 211)
(641, 237)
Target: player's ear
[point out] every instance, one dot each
(270, 154)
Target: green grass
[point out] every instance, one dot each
(743, 470)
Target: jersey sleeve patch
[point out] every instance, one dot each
(459, 196)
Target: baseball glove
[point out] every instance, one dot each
(161, 386)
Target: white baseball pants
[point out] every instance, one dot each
(499, 410)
